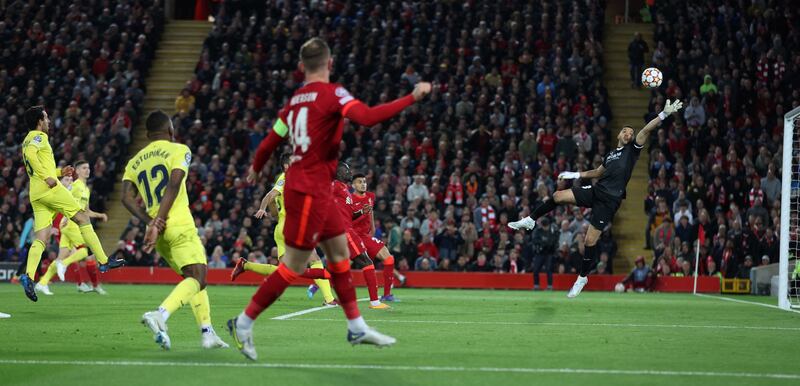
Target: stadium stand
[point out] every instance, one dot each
(519, 100)
(85, 62)
(719, 167)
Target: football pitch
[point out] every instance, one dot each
(445, 337)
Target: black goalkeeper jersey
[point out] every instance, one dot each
(619, 166)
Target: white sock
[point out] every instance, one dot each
(244, 322)
(374, 303)
(357, 325)
(164, 313)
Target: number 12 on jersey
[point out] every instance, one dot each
(298, 129)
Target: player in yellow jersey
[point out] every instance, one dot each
(49, 197)
(273, 201)
(71, 246)
(157, 173)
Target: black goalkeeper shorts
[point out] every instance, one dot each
(603, 206)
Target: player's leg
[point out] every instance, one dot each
(538, 259)
(377, 251)
(560, 197)
(589, 257)
(321, 283)
(169, 246)
(42, 218)
(339, 264)
(93, 242)
(43, 284)
(94, 274)
(358, 255)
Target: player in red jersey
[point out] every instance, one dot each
(364, 226)
(313, 119)
(358, 250)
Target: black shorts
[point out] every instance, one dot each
(603, 206)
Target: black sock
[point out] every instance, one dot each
(588, 260)
(548, 205)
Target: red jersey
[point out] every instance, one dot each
(344, 202)
(363, 224)
(315, 117)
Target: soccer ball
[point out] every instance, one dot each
(651, 77)
(619, 288)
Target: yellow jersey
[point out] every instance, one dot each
(81, 193)
(149, 171)
(279, 183)
(39, 162)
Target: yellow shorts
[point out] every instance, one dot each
(279, 241)
(180, 246)
(70, 236)
(57, 200)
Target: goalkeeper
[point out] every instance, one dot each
(606, 195)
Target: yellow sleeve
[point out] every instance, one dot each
(180, 158)
(128, 175)
(279, 183)
(31, 157)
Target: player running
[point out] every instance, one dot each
(606, 195)
(358, 251)
(49, 197)
(313, 119)
(157, 173)
(71, 245)
(273, 201)
(364, 227)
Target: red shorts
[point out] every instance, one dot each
(354, 244)
(372, 244)
(310, 219)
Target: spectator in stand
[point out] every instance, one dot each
(477, 139)
(481, 264)
(184, 103)
(735, 143)
(636, 51)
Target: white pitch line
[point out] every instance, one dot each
(328, 366)
(308, 311)
(570, 324)
(745, 302)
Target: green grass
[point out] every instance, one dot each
(445, 337)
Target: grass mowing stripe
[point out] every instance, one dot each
(744, 302)
(308, 311)
(403, 368)
(620, 325)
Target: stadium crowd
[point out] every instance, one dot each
(719, 167)
(518, 99)
(86, 63)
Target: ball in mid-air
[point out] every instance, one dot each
(652, 77)
(619, 288)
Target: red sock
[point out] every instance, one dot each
(372, 281)
(342, 283)
(270, 290)
(83, 275)
(388, 275)
(91, 269)
(316, 273)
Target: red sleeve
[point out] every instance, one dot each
(364, 115)
(265, 150)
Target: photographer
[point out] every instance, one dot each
(543, 242)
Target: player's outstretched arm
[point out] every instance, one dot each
(369, 116)
(129, 194)
(265, 204)
(669, 108)
(594, 173)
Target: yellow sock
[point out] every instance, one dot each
(201, 309)
(91, 240)
(34, 256)
(51, 271)
(323, 284)
(79, 255)
(262, 269)
(181, 295)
